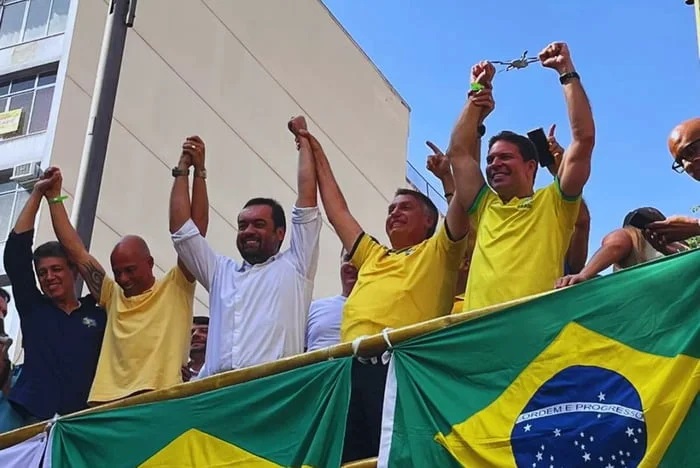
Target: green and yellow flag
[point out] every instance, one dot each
(602, 374)
(292, 419)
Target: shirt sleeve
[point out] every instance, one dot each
(477, 208)
(19, 267)
(195, 253)
(364, 248)
(452, 250)
(109, 288)
(306, 230)
(566, 207)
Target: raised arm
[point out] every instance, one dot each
(306, 173)
(199, 210)
(89, 268)
(467, 174)
(189, 221)
(181, 209)
(576, 163)
(615, 247)
(438, 164)
(346, 226)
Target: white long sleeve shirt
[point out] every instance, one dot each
(257, 313)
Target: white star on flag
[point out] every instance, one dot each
(587, 456)
(630, 432)
(557, 432)
(601, 396)
(539, 456)
(527, 427)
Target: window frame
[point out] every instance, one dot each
(35, 72)
(23, 29)
(5, 178)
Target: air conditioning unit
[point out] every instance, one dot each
(26, 173)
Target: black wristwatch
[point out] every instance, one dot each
(481, 130)
(177, 172)
(566, 77)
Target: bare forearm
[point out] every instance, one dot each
(180, 207)
(66, 233)
(465, 134)
(331, 195)
(580, 114)
(27, 217)
(306, 176)
(200, 205)
(605, 257)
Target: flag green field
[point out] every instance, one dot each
(296, 418)
(602, 374)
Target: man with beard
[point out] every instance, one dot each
(523, 234)
(258, 307)
(323, 326)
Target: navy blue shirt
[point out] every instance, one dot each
(60, 349)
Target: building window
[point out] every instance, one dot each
(26, 20)
(12, 199)
(33, 95)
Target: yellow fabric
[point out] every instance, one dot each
(458, 305)
(403, 287)
(147, 337)
(663, 385)
(520, 245)
(195, 449)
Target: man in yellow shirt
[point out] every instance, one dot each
(146, 341)
(409, 282)
(523, 234)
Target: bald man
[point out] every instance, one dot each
(147, 337)
(684, 146)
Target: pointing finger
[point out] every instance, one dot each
(433, 147)
(552, 129)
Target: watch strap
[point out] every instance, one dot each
(177, 172)
(566, 77)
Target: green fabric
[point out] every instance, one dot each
(294, 418)
(447, 377)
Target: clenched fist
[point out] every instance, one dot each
(557, 56)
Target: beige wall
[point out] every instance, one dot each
(232, 72)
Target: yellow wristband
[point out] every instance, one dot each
(58, 199)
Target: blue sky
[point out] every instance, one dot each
(638, 62)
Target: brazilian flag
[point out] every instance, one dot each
(292, 419)
(602, 374)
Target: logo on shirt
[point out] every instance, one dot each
(89, 322)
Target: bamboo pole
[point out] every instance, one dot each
(367, 463)
(371, 346)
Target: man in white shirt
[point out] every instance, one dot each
(323, 326)
(257, 308)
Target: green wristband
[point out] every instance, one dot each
(58, 199)
(476, 87)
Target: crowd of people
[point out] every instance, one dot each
(134, 333)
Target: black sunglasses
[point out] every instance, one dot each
(690, 153)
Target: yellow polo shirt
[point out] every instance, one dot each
(396, 288)
(147, 338)
(520, 245)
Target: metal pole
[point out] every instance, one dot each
(120, 17)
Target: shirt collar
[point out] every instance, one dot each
(245, 266)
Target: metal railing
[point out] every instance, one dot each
(421, 184)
